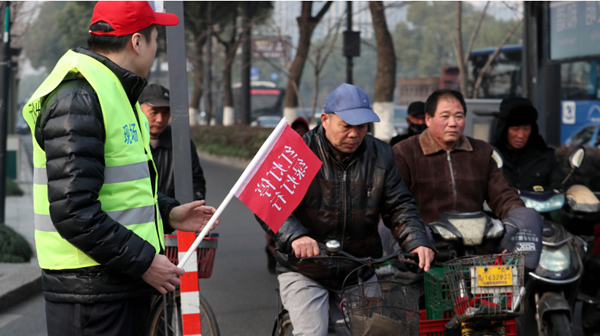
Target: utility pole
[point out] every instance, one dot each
(5, 75)
(351, 43)
(246, 63)
(349, 64)
(184, 192)
(208, 108)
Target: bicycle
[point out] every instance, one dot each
(165, 315)
(385, 301)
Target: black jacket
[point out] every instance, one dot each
(530, 167)
(534, 164)
(70, 129)
(344, 202)
(163, 159)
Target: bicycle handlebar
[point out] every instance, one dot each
(400, 256)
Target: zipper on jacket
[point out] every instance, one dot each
(453, 182)
(345, 206)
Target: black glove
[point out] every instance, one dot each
(523, 228)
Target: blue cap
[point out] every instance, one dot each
(350, 103)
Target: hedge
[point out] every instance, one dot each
(13, 247)
(12, 188)
(237, 141)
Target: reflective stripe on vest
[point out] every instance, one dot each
(127, 195)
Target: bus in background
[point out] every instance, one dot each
(580, 89)
(503, 77)
(266, 100)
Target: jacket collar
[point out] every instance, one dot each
(132, 83)
(430, 146)
(329, 148)
(164, 139)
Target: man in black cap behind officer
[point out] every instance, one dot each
(416, 122)
(155, 104)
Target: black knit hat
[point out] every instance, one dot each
(521, 115)
(415, 108)
(518, 111)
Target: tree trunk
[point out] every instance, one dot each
(198, 76)
(459, 49)
(385, 81)
(228, 109)
(307, 24)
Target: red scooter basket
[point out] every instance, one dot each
(206, 253)
(438, 327)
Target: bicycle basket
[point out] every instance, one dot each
(487, 286)
(206, 253)
(382, 308)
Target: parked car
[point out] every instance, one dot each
(586, 136)
(266, 121)
(400, 113)
(21, 126)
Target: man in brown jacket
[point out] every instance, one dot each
(449, 172)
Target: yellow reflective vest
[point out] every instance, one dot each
(127, 195)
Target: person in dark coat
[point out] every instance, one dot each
(155, 104)
(528, 161)
(357, 183)
(416, 122)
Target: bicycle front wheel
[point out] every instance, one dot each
(172, 311)
(283, 325)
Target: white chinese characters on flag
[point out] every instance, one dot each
(276, 186)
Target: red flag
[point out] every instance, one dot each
(277, 185)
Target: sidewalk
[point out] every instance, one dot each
(20, 281)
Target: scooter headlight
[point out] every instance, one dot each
(556, 260)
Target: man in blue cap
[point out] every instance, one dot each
(358, 183)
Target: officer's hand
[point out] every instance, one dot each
(426, 256)
(162, 274)
(305, 247)
(191, 217)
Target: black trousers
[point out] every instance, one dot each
(123, 317)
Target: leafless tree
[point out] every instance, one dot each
(461, 58)
(385, 82)
(307, 24)
(321, 56)
(493, 56)
(231, 45)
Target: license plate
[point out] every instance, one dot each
(494, 276)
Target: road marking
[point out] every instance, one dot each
(7, 318)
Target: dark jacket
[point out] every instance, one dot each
(401, 137)
(71, 131)
(457, 181)
(163, 159)
(534, 164)
(344, 202)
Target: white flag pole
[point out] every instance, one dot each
(256, 161)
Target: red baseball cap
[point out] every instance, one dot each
(128, 17)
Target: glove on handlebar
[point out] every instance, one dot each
(523, 228)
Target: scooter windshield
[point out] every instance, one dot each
(544, 201)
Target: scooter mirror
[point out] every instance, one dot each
(497, 157)
(576, 157)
